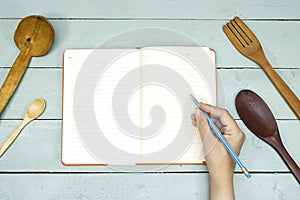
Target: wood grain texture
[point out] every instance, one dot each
(38, 149)
(141, 186)
(32, 169)
(47, 84)
(72, 34)
(168, 9)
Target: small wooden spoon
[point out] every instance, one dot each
(34, 37)
(35, 109)
(257, 116)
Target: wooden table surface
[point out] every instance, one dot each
(32, 168)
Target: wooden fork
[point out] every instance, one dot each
(244, 40)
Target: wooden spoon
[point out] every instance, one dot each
(34, 37)
(257, 116)
(35, 109)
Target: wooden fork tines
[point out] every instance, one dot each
(244, 40)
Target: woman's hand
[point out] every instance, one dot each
(220, 164)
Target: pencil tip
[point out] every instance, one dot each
(192, 97)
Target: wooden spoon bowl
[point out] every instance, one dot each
(36, 34)
(35, 109)
(257, 116)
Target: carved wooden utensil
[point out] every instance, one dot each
(35, 109)
(257, 116)
(34, 37)
(244, 40)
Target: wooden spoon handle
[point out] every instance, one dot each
(12, 137)
(281, 86)
(13, 79)
(289, 162)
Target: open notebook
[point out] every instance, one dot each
(133, 106)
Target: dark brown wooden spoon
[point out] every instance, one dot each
(257, 116)
(34, 37)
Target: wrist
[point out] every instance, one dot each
(222, 176)
(221, 186)
(221, 171)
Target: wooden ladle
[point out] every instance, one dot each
(257, 116)
(34, 36)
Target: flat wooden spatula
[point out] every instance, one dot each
(34, 37)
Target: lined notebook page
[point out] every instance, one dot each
(202, 83)
(181, 60)
(105, 89)
(74, 151)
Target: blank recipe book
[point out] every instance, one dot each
(133, 106)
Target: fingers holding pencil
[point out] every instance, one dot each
(224, 154)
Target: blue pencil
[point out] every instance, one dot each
(223, 140)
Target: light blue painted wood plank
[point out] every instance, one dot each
(280, 39)
(234, 81)
(141, 186)
(38, 149)
(178, 9)
(36, 83)
(259, 156)
(47, 84)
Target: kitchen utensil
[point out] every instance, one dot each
(35, 109)
(257, 116)
(244, 40)
(34, 37)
